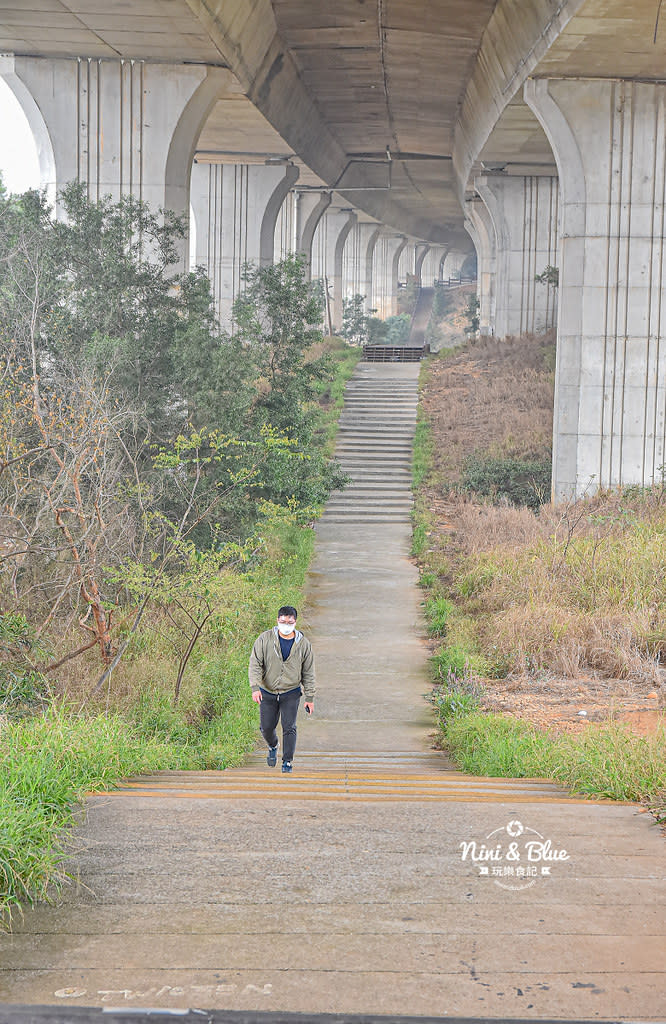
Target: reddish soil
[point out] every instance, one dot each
(558, 704)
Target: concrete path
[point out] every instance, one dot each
(373, 880)
(421, 318)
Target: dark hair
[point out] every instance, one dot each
(287, 610)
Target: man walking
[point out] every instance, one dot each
(281, 671)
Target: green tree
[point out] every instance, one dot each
(549, 276)
(355, 320)
(99, 292)
(278, 320)
(472, 313)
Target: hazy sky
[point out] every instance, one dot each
(18, 155)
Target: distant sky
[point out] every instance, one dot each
(18, 155)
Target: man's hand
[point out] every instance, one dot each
(256, 696)
(309, 706)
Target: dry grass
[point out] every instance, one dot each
(491, 395)
(573, 589)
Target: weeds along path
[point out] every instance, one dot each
(374, 879)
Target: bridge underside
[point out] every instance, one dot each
(363, 131)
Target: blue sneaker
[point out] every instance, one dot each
(287, 766)
(271, 760)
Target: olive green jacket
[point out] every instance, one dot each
(268, 670)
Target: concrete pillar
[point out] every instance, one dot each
(421, 251)
(388, 250)
(452, 265)
(407, 262)
(609, 141)
(442, 262)
(431, 267)
(357, 262)
(479, 225)
(236, 207)
(310, 208)
(524, 212)
(284, 241)
(120, 127)
(327, 251)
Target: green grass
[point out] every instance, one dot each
(437, 610)
(422, 451)
(607, 761)
(46, 765)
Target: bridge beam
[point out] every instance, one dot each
(609, 140)
(119, 127)
(235, 208)
(524, 213)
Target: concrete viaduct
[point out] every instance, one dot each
(386, 137)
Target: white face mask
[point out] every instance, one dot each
(286, 628)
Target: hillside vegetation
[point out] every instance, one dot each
(552, 615)
(158, 481)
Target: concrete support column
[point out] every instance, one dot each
(328, 247)
(431, 268)
(609, 140)
(357, 262)
(480, 227)
(310, 208)
(524, 212)
(388, 250)
(452, 264)
(407, 261)
(421, 251)
(236, 207)
(284, 241)
(120, 127)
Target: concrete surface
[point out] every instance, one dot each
(373, 880)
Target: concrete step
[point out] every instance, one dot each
(363, 431)
(386, 463)
(361, 508)
(374, 490)
(337, 777)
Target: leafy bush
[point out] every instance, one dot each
(23, 687)
(520, 481)
(392, 331)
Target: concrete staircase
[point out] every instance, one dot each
(374, 445)
(344, 776)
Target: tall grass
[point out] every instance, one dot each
(46, 765)
(509, 590)
(607, 761)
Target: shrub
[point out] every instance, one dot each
(516, 480)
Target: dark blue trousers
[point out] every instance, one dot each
(282, 707)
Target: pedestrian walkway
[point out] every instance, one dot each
(375, 880)
(421, 318)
